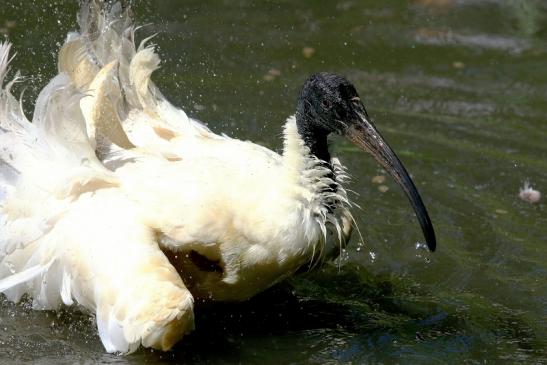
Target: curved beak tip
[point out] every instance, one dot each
(432, 243)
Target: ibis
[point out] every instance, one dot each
(115, 200)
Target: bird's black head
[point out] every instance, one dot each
(329, 103)
(325, 105)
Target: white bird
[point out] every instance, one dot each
(116, 200)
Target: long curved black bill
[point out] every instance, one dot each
(362, 132)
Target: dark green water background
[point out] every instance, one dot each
(458, 88)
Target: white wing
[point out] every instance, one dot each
(42, 164)
(68, 234)
(124, 107)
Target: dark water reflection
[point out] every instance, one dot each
(458, 87)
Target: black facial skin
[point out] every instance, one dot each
(329, 103)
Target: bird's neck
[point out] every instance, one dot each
(315, 139)
(306, 154)
(317, 144)
(317, 185)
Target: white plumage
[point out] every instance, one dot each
(114, 199)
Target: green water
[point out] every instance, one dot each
(458, 88)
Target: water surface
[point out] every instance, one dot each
(458, 88)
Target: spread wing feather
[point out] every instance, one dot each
(65, 225)
(104, 62)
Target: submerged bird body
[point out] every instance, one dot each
(118, 201)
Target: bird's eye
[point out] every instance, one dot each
(326, 104)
